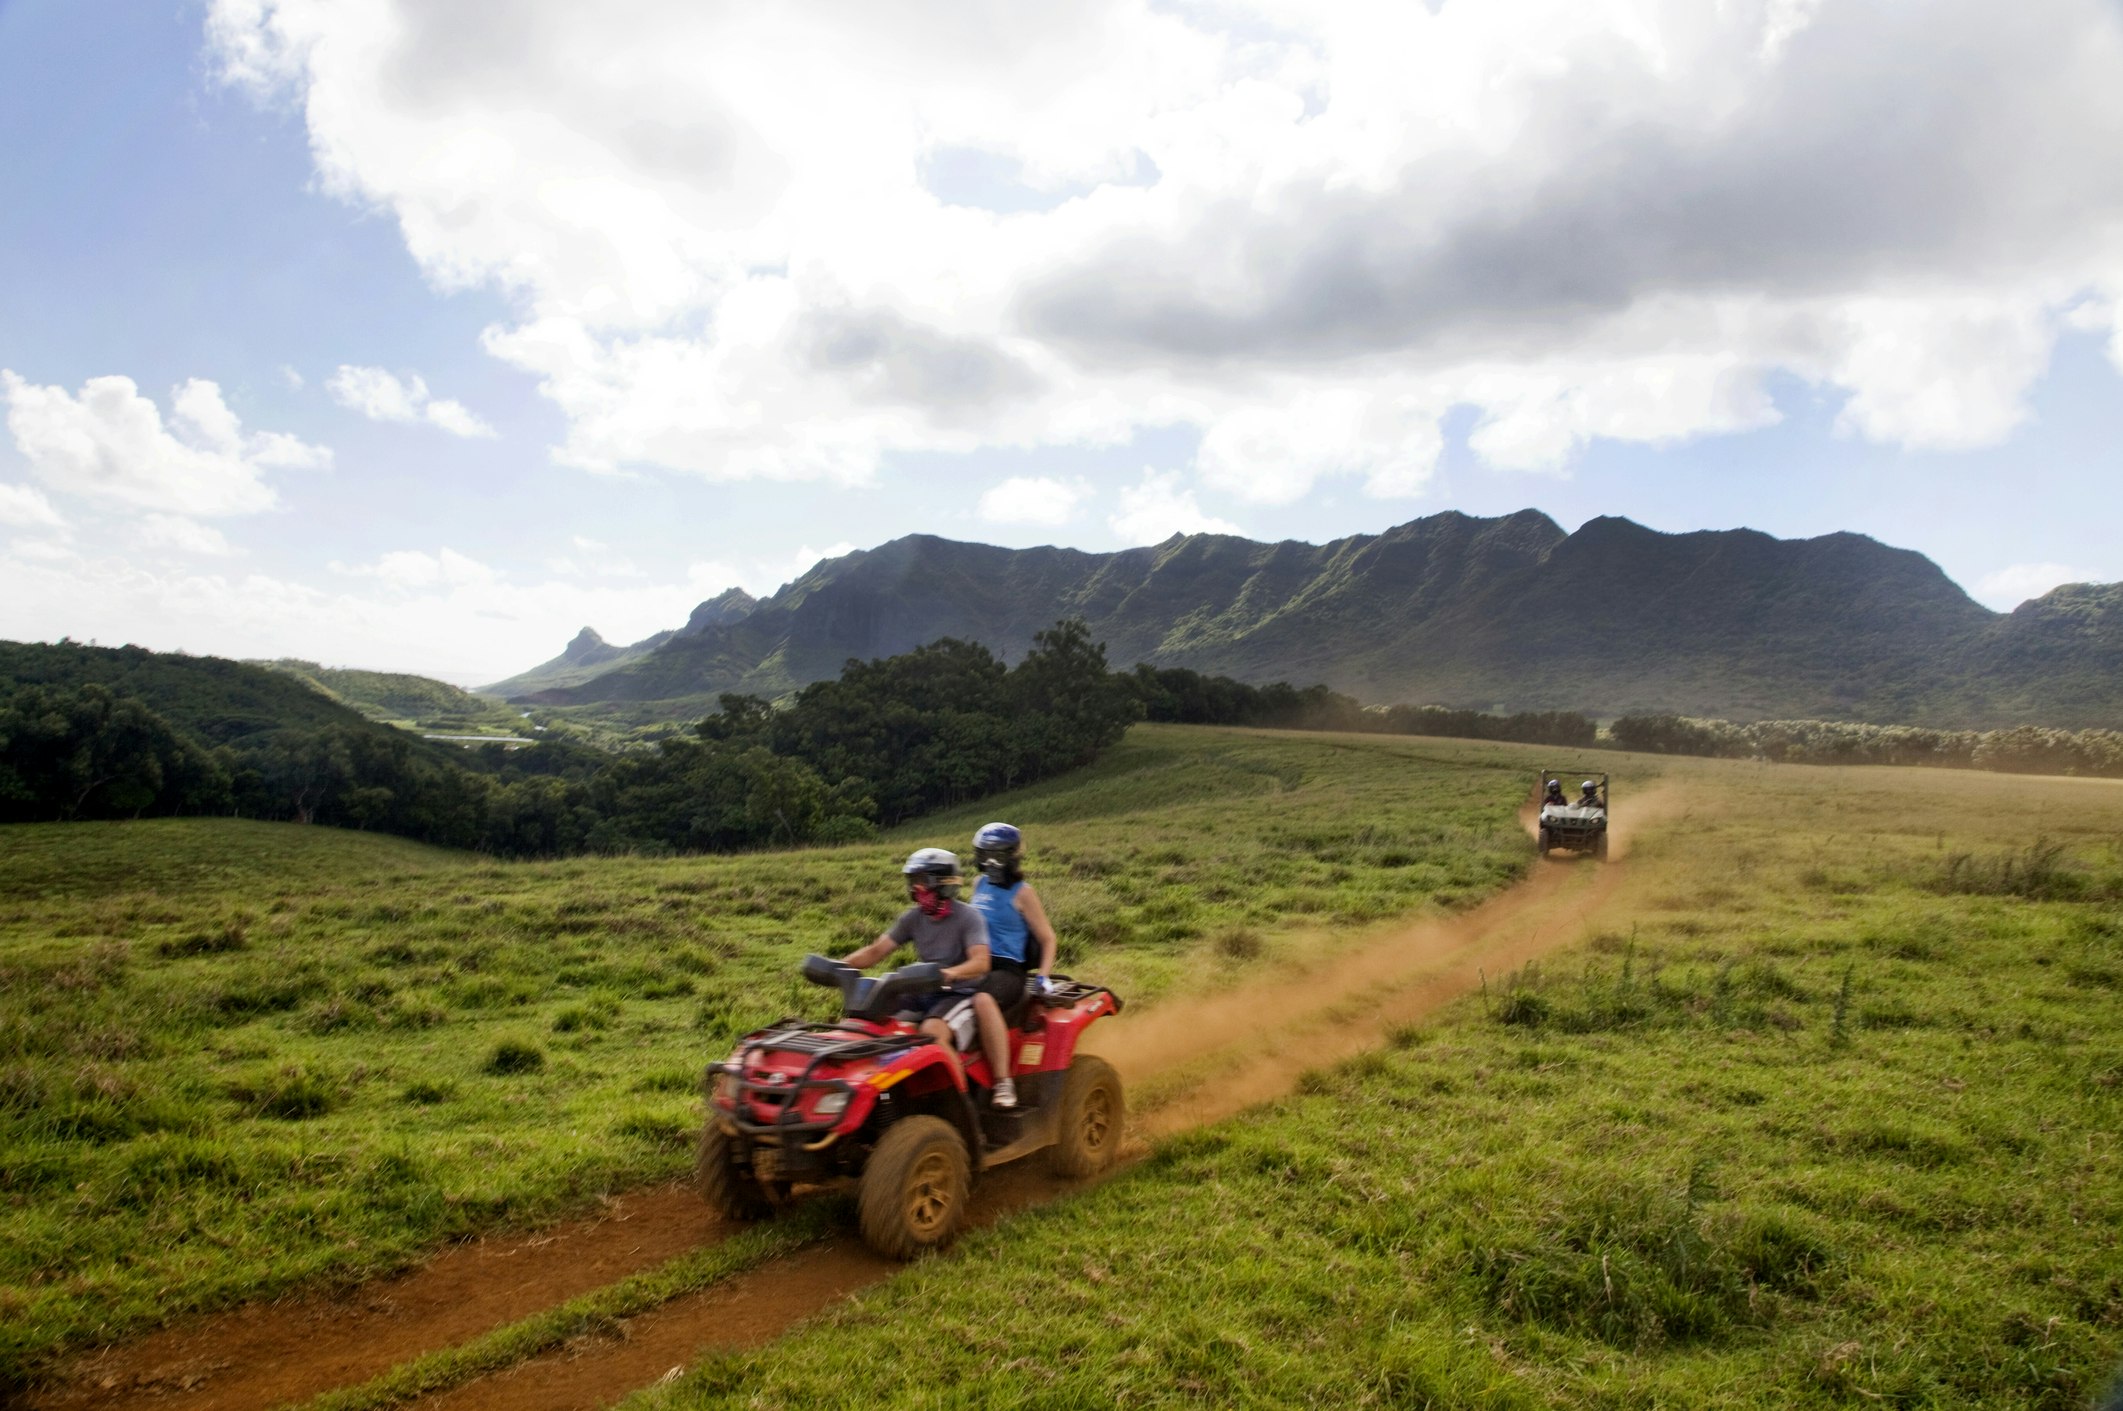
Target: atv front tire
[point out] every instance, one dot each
(1599, 847)
(1544, 843)
(915, 1188)
(1088, 1126)
(723, 1184)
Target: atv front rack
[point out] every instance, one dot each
(825, 1043)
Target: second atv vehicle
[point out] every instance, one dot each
(1573, 824)
(869, 1097)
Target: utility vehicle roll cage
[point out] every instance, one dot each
(1551, 776)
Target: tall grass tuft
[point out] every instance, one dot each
(514, 1056)
(2041, 871)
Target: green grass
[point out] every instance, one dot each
(237, 1058)
(1825, 1114)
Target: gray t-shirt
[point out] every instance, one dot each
(942, 939)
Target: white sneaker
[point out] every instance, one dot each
(1005, 1094)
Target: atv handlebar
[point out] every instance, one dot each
(879, 997)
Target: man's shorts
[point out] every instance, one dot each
(955, 1008)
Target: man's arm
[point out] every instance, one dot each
(972, 967)
(870, 954)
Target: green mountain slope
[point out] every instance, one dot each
(1508, 613)
(421, 702)
(219, 701)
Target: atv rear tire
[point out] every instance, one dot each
(723, 1184)
(915, 1188)
(1088, 1128)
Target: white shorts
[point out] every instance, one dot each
(955, 1008)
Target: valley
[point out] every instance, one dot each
(1812, 1027)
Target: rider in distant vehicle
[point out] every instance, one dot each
(1590, 792)
(945, 932)
(1555, 797)
(1015, 920)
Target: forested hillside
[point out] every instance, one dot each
(1507, 614)
(91, 732)
(395, 698)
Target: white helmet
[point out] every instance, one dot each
(934, 868)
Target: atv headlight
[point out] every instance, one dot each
(831, 1105)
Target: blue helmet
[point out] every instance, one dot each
(997, 837)
(997, 850)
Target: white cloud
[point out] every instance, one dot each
(175, 533)
(1306, 230)
(402, 612)
(1942, 373)
(382, 395)
(764, 577)
(2007, 588)
(1033, 499)
(25, 507)
(1158, 508)
(457, 419)
(1273, 452)
(414, 570)
(598, 560)
(110, 444)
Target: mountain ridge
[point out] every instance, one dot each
(1508, 612)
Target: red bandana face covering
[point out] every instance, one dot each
(933, 904)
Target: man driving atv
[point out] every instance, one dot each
(944, 932)
(1554, 797)
(1590, 795)
(1006, 901)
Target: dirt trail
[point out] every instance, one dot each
(266, 1355)
(1267, 1031)
(1270, 1029)
(748, 1311)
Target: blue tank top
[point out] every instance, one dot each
(1007, 931)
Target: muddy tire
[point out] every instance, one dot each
(1544, 844)
(1599, 846)
(723, 1184)
(915, 1188)
(1088, 1127)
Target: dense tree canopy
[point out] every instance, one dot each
(889, 740)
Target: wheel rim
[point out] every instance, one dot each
(1098, 1118)
(931, 1193)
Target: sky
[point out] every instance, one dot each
(418, 334)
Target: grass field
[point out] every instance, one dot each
(237, 1058)
(1826, 1113)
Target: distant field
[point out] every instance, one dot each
(240, 1057)
(1826, 1113)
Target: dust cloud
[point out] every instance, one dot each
(1204, 1059)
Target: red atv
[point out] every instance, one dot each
(869, 1097)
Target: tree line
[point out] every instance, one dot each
(1186, 697)
(2022, 749)
(888, 740)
